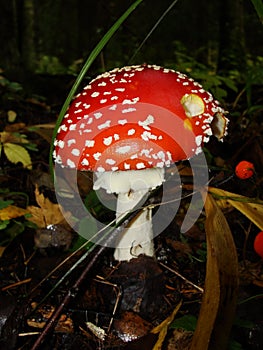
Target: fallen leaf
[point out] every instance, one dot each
(252, 209)
(44, 130)
(11, 116)
(12, 212)
(221, 284)
(47, 213)
(162, 328)
(16, 153)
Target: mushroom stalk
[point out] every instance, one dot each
(138, 237)
(130, 187)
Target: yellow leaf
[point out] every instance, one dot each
(16, 153)
(12, 212)
(247, 206)
(162, 328)
(221, 285)
(47, 213)
(11, 116)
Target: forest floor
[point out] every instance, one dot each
(103, 304)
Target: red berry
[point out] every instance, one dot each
(258, 244)
(244, 170)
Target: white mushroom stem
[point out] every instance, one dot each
(138, 238)
(131, 186)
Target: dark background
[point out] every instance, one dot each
(54, 37)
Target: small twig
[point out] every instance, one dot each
(74, 290)
(118, 297)
(13, 285)
(182, 277)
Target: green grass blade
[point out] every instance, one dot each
(93, 55)
(258, 4)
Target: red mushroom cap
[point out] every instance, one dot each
(137, 117)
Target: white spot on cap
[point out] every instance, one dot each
(71, 164)
(128, 110)
(131, 132)
(120, 89)
(75, 152)
(103, 101)
(146, 152)
(98, 115)
(122, 121)
(89, 143)
(71, 142)
(114, 98)
(123, 149)
(198, 140)
(149, 120)
(95, 94)
(61, 144)
(102, 83)
(97, 155)
(58, 159)
(161, 155)
(113, 107)
(72, 127)
(78, 111)
(107, 140)
(127, 166)
(140, 165)
(104, 125)
(110, 161)
(116, 137)
(130, 102)
(198, 150)
(85, 161)
(62, 127)
(208, 131)
(134, 156)
(100, 169)
(146, 136)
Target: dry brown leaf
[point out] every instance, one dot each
(221, 285)
(44, 130)
(47, 213)
(253, 211)
(12, 212)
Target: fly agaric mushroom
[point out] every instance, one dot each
(129, 124)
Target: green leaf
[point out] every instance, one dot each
(4, 224)
(187, 322)
(5, 204)
(258, 4)
(16, 153)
